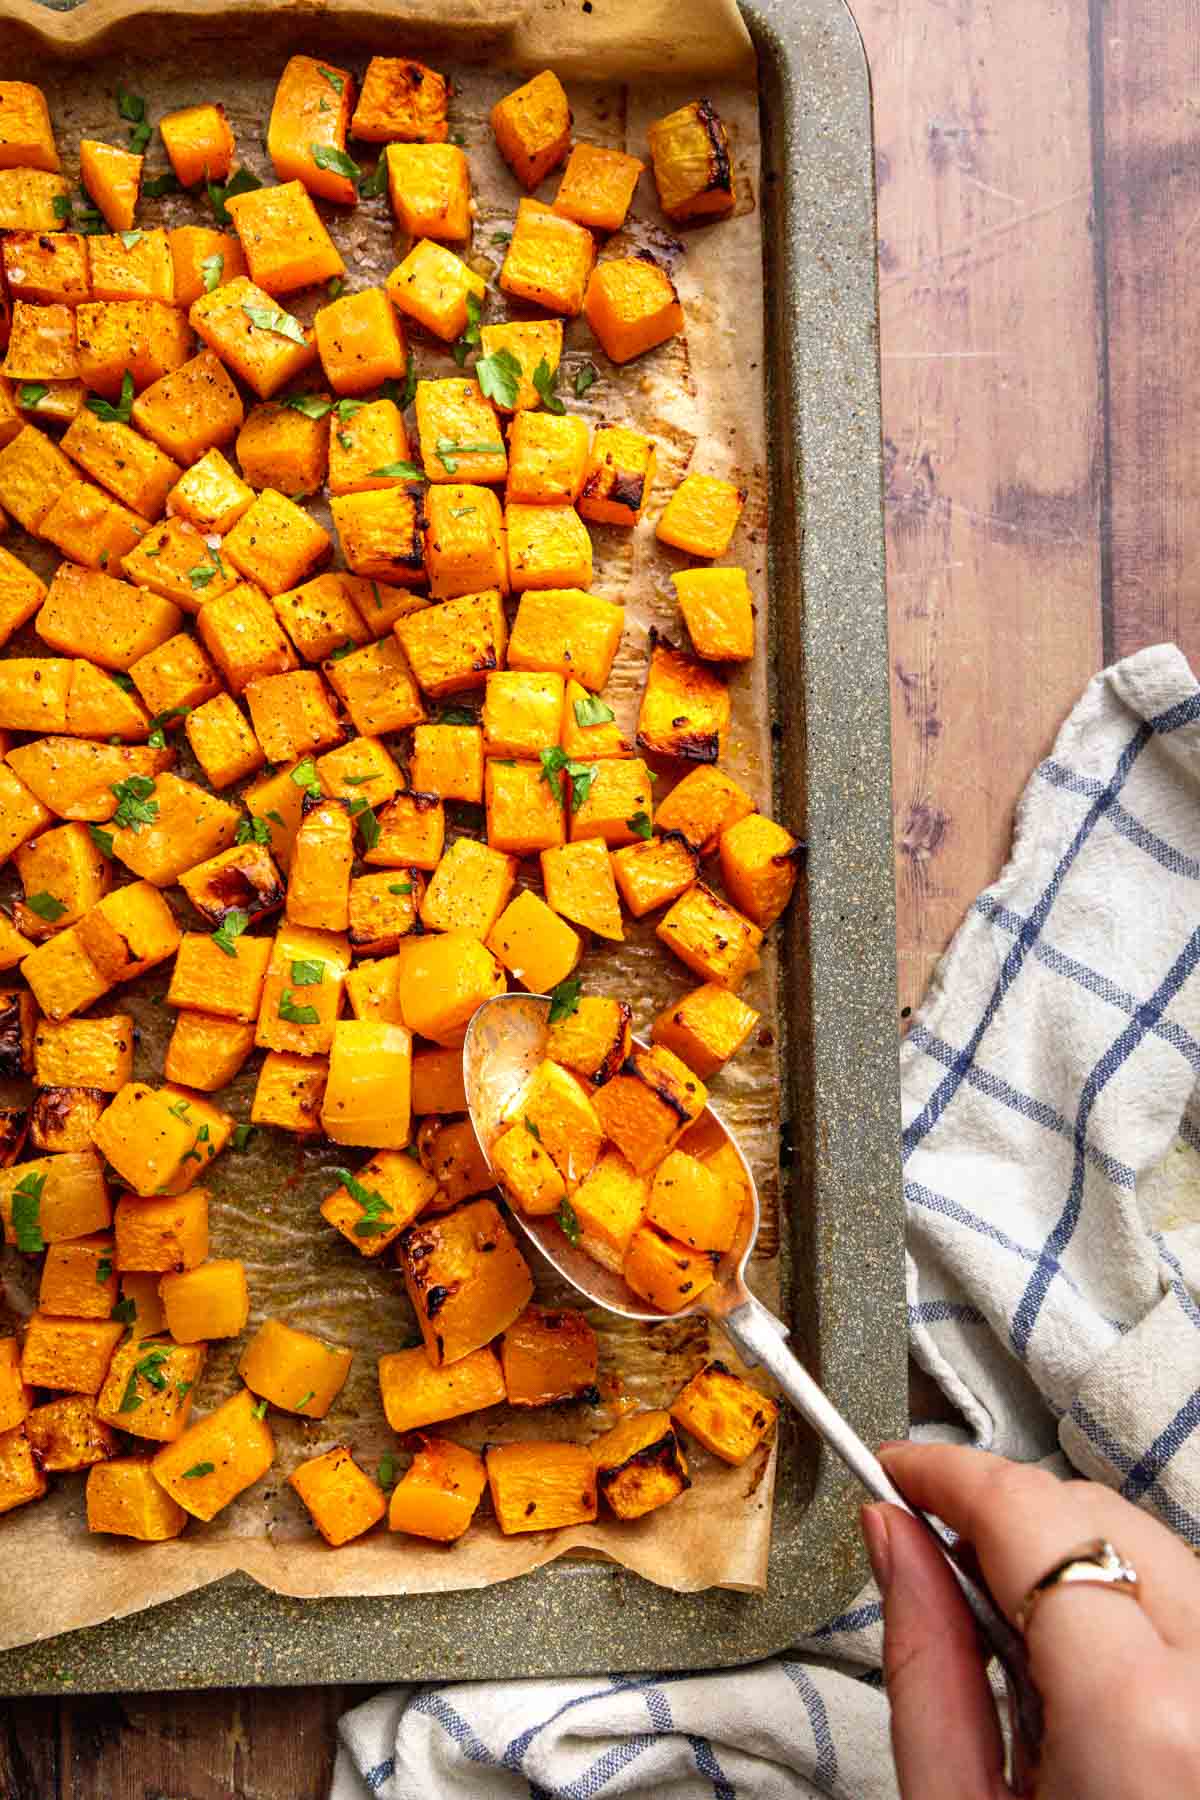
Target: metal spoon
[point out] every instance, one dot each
(505, 1042)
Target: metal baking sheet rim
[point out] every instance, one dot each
(838, 979)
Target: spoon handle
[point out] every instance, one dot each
(760, 1338)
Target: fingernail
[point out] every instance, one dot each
(887, 1448)
(874, 1530)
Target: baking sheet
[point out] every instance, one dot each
(699, 397)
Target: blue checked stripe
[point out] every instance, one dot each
(858, 1620)
(1013, 963)
(1185, 712)
(513, 1755)
(995, 1088)
(1179, 1286)
(1164, 1503)
(825, 1772)
(382, 1772)
(1166, 855)
(1147, 1469)
(944, 1312)
(1113, 1060)
(707, 1764)
(1089, 979)
(455, 1726)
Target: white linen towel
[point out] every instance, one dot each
(1052, 1288)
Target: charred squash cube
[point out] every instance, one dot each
(718, 612)
(67, 1434)
(632, 305)
(381, 535)
(593, 1041)
(431, 285)
(689, 150)
(415, 1394)
(450, 1151)
(18, 1017)
(124, 1499)
(401, 101)
(21, 1477)
(446, 977)
(189, 825)
(383, 910)
(524, 812)
(289, 1093)
(455, 645)
(549, 260)
(665, 1272)
(148, 1389)
(438, 1495)
(654, 871)
(618, 476)
(724, 1413)
(62, 1118)
(412, 831)
(361, 341)
(702, 806)
(376, 686)
(549, 1355)
(388, 1193)
(429, 186)
(243, 879)
(197, 406)
(264, 355)
(537, 947)
(293, 1369)
(464, 541)
(533, 127)
(648, 1103)
(540, 1486)
(526, 1172)
(232, 1445)
(469, 889)
(705, 1028)
(465, 1277)
(286, 246)
(685, 710)
(693, 1204)
(340, 1498)
(639, 1464)
(701, 515)
(758, 867)
(578, 882)
(597, 187)
(557, 1112)
(567, 630)
(710, 937)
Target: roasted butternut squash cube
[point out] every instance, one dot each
(59, 1197)
(320, 616)
(383, 910)
(437, 1082)
(578, 883)
(415, 1394)
(13, 949)
(292, 715)
(95, 1053)
(593, 1040)
(569, 631)
(647, 1104)
(70, 1355)
(689, 150)
(145, 1133)
(556, 1111)
(124, 1499)
(146, 339)
(632, 304)
(525, 810)
(711, 937)
(31, 200)
(549, 1355)
(617, 805)
(701, 515)
(26, 134)
(289, 1093)
(262, 344)
(367, 1095)
(618, 477)
(33, 474)
(469, 889)
(96, 704)
(310, 116)
(140, 269)
(448, 760)
(21, 812)
(718, 612)
(222, 742)
(693, 1204)
(367, 438)
(112, 177)
(360, 770)
(41, 345)
(401, 101)
(412, 831)
(597, 187)
(173, 560)
(530, 342)
(464, 541)
(306, 974)
(380, 534)
(63, 976)
(199, 142)
(341, 1500)
(319, 878)
(209, 1301)
(705, 1028)
(373, 989)
(91, 527)
(65, 866)
(196, 406)
(139, 1290)
(724, 1413)
(548, 261)
(360, 340)
(541, 1486)
(174, 678)
(438, 1496)
(431, 285)
(639, 1464)
(276, 543)
(202, 258)
(294, 1370)
(121, 460)
(384, 1197)
(759, 862)
(21, 1477)
(62, 1119)
(21, 593)
(526, 1172)
(465, 1277)
(228, 983)
(701, 807)
(459, 433)
(283, 447)
(456, 644)
(654, 871)
(188, 825)
(685, 710)
(50, 402)
(664, 1272)
(16, 1397)
(66, 1435)
(446, 977)
(243, 637)
(522, 713)
(129, 931)
(450, 1152)
(547, 459)
(429, 186)
(205, 1051)
(70, 776)
(216, 1458)
(77, 1280)
(148, 1388)
(284, 242)
(376, 686)
(533, 127)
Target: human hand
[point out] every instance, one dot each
(1120, 1679)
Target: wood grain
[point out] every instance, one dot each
(992, 421)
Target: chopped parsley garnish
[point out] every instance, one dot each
(401, 471)
(313, 406)
(308, 974)
(564, 999)
(252, 831)
(327, 156)
(130, 238)
(545, 380)
(198, 1469)
(124, 1311)
(296, 1015)
(531, 1128)
(103, 1270)
(400, 887)
(585, 377)
(135, 808)
(387, 1471)
(118, 414)
(241, 1136)
(45, 906)
(231, 927)
(61, 206)
(592, 710)
(305, 776)
(346, 409)
(130, 106)
(372, 185)
(448, 452)
(26, 1212)
(259, 1410)
(103, 840)
(301, 1404)
(157, 739)
(334, 287)
(499, 376)
(458, 715)
(241, 183)
(372, 1223)
(640, 825)
(32, 393)
(273, 318)
(470, 338)
(337, 82)
(212, 270)
(158, 185)
(502, 237)
(368, 823)
(150, 1371)
(555, 763)
(572, 1230)
(181, 1109)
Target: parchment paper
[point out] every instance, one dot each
(700, 397)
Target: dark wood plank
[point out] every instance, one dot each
(1147, 67)
(992, 424)
(29, 1750)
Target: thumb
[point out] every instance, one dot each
(945, 1733)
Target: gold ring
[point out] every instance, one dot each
(1098, 1564)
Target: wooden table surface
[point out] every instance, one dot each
(1039, 268)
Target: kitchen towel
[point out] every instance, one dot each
(1048, 1080)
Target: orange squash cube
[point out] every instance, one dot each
(229, 984)
(78, 1281)
(217, 1457)
(639, 1464)
(360, 770)
(525, 813)
(341, 1500)
(164, 1232)
(647, 1104)
(63, 976)
(401, 101)
(138, 270)
(22, 592)
(188, 826)
(243, 637)
(526, 1172)
(653, 872)
(282, 446)
(48, 268)
(548, 547)
(530, 342)
(548, 261)
(459, 433)
(206, 1052)
(464, 541)
(759, 867)
(367, 438)
(124, 1499)
(689, 150)
(209, 1301)
(381, 534)
(33, 473)
(685, 710)
(289, 1093)
(534, 944)
(429, 186)
(68, 1354)
(592, 1039)
(262, 344)
(465, 1277)
(129, 931)
(148, 1388)
(632, 305)
(152, 1137)
(693, 1204)
(710, 937)
(41, 345)
(522, 713)
(701, 515)
(597, 187)
(440, 1492)
(547, 458)
(450, 1152)
(66, 1435)
(447, 975)
(16, 1397)
(664, 1272)
(448, 760)
(415, 1394)
(21, 1477)
(456, 644)
(376, 687)
(293, 1369)
(112, 177)
(65, 1195)
(145, 339)
(701, 807)
(121, 460)
(361, 341)
(381, 1200)
(222, 742)
(367, 1095)
(549, 1355)
(578, 883)
(541, 1486)
(617, 805)
(26, 134)
(306, 973)
(724, 1413)
(469, 890)
(705, 1028)
(202, 258)
(718, 612)
(285, 244)
(306, 134)
(533, 127)
(292, 715)
(199, 143)
(90, 527)
(431, 285)
(556, 1111)
(567, 630)
(319, 879)
(412, 831)
(320, 617)
(276, 543)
